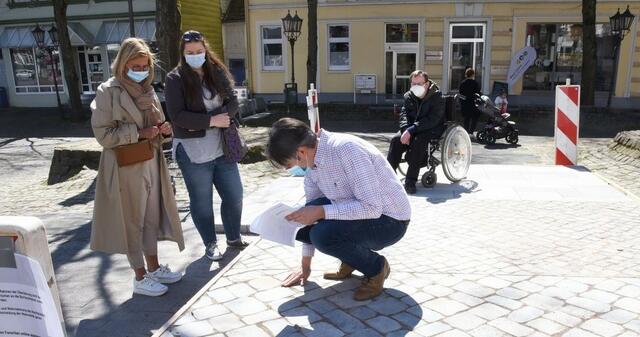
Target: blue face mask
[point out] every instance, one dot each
(298, 171)
(195, 61)
(138, 76)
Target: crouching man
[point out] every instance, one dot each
(356, 205)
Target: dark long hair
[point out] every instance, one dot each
(216, 74)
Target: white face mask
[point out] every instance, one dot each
(195, 61)
(418, 90)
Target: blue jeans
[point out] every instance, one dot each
(200, 179)
(354, 242)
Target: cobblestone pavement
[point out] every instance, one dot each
(95, 288)
(556, 258)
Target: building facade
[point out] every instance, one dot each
(367, 48)
(96, 29)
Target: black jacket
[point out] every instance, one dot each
(424, 115)
(191, 119)
(469, 88)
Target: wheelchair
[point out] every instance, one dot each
(454, 147)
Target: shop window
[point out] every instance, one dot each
(32, 70)
(559, 49)
(339, 46)
(272, 48)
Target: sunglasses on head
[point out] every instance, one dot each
(191, 36)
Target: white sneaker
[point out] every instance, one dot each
(213, 252)
(148, 287)
(165, 275)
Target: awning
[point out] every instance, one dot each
(21, 36)
(116, 31)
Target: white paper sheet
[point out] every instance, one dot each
(26, 304)
(272, 225)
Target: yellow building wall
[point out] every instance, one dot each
(508, 22)
(204, 16)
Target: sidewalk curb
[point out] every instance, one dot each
(615, 185)
(203, 290)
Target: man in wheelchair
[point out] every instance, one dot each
(421, 119)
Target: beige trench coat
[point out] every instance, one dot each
(115, 121)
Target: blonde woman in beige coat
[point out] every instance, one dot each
(134, 205)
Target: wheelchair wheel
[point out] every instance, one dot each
(456, 153)
(429, 179)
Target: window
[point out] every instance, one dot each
(339, 55)
(272, 48)
(32, 70)
(559, 50)
(402, 32)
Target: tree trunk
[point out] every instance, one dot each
(312, 58)
(589, 56)
(168, 22)
(68, 60)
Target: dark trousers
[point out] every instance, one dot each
(416, 153)
(354, 242)
(471, 115)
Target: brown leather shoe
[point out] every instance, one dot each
(372, 287)
(343, 272)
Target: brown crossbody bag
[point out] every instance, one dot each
(130, 154)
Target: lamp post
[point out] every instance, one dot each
(38, 35)
(620, 26)
(291, 26)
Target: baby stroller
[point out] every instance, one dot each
(498, 125)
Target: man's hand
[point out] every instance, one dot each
(166, 129)
(405, 138)
(300, 276)
(307, 215)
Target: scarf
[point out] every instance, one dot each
(143, 97)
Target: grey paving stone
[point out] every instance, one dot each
(365, 333)
(547, 326)
(589, 304)
(487, 331)
(543, 302)
(602, 327)
(195, 329)
(245, 306)
(600, 296)
(226, 322)
(489, 311)
(383, 324)
(210, 311)
(250, 330)
(407, 320)
(578, 333)
(433, 329)
(344, 321)
(619, 316)
(474, 289)
(512, 293)
(633, 325)
(464, 321)
(363, 313)
(387, 306)
(321, 306)
(260, 317)
(504, 302)
(445, 306)
(454, 333)
(511, 327)
(563, 318)
(628, 304)
(323, 329)
(525, 314)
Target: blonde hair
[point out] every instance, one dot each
(419, 73)
(131, 48)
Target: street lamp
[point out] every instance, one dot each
(38, 35)
(291, 26)
(620, 26)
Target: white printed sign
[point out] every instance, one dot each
(26, 304)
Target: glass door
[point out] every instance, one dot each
(91, 68)
(401, 58)
(466, 50)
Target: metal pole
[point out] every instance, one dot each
(293, 64)
(132, 27)
(616, 50)
(54, 65)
